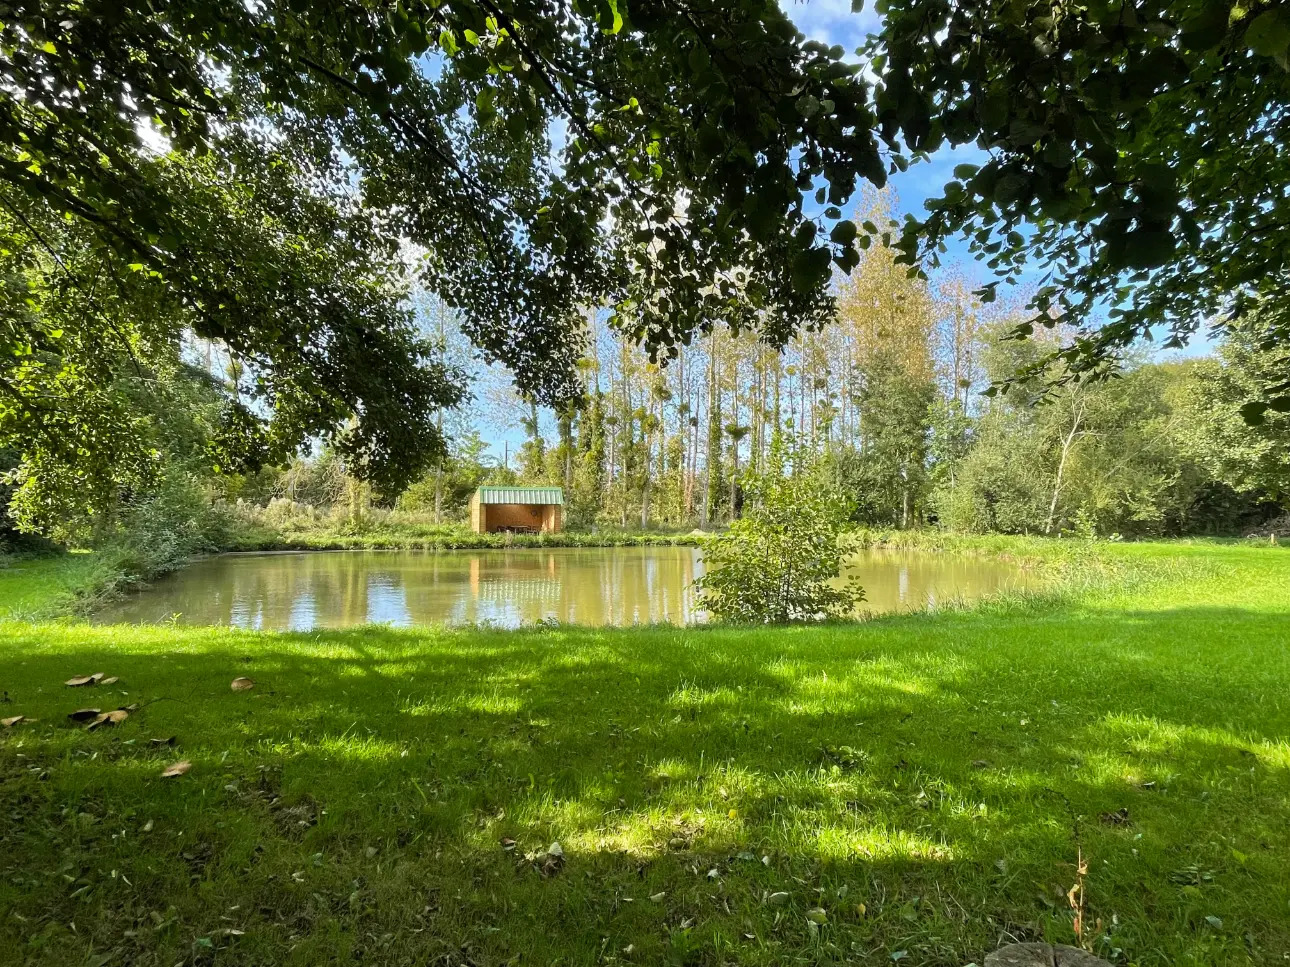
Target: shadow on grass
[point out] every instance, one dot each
(937, 770)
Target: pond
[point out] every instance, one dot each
(299, 591)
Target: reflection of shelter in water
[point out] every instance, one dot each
(520, 510)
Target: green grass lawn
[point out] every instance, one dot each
(919, 785)
(32, 583)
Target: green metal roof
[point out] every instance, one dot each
(521, 495)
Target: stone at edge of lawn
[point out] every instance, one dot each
(1042, 955)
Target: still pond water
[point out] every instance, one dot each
(589, 586)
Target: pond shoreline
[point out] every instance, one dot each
(511, 587)
(79, 584)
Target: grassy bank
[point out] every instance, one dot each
(753, 796)
(39, 585)
(331, 537)
(298, 527)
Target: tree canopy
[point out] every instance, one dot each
(254, 174)
(1134, 151)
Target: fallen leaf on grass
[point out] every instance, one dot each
(1191, 876)
(242, 684)
(550, 861)
(1118, 818)
(169, 741)
(110, 681)
(78, 680)
(14, 720)
(817, 915)
(508, 843)
(83, 714)
(777, 899)
(980, 764)
(658, 897)
(115, 717)
(177, 769)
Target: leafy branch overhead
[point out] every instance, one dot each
(251, 173)
(1134, 153)
(254, 175)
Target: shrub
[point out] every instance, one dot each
(780, 561)
(166, 529)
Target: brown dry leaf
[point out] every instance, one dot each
(80, 680)
(1118, 818)
(110, 681)
(508, 843)
(14, 720)
(551, 860)
(115, 717)
(83, 714)
(243, 684)
(176, 769)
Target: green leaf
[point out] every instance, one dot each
(1269, 33)
(1010, 188)
(843, 233)
(1148, 248)
(485, 109)
(808, 105)
(611, 21)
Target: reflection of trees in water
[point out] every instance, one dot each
(326, 589)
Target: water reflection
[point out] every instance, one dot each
(896, 581)
(333, 589)
(587, 586)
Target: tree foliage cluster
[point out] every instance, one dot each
(1132, 151)
(249, 175)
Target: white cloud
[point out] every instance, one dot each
(831, 21)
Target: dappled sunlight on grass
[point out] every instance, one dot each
(942, 771)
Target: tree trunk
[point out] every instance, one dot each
(1067, 442)
(714, 413)
(438, 477)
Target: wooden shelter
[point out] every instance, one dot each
(520, 510)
